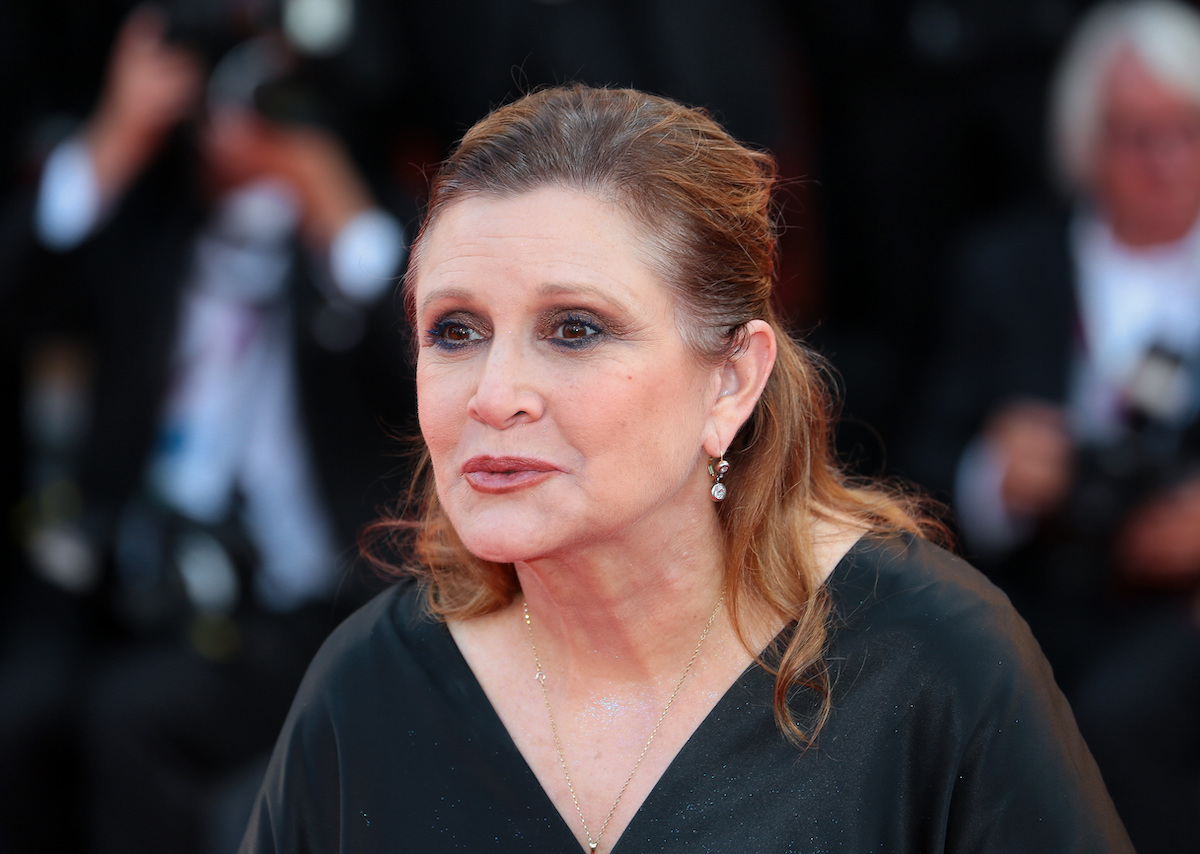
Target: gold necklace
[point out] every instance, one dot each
(540, 675)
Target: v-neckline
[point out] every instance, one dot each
(489, 716)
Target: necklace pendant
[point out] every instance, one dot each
(592, 845)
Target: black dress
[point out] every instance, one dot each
(947, 734)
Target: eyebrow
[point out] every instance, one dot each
(549, 289)
(449, 292)
(553, 289)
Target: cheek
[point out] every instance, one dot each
(657, 414)
(439, 409)
(1189, 176)
(427, 410)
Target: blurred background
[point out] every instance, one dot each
(204, 209)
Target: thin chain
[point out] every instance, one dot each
(540, 675)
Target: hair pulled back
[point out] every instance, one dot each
(705, 204)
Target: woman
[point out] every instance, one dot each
(650, 614)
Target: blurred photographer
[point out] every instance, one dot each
(206, 269)
(1127, 127)
(258, 250)
(1062, 416)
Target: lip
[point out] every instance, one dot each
(505, 474)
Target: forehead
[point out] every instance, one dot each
(548, 236)
(1134, 90)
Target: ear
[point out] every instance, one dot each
(742, 379)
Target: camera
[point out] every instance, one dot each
(250, 65)
(1156, 449)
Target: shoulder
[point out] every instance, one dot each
(372, 665)
(399, 607)
(298, 806)
(925, 649)
(909, 602)
(387, 631)
(356, 691)
(903, 577)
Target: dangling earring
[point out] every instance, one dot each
(716, 470)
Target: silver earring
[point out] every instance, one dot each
(717, 470)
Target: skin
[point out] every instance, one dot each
(1035, 443)
(571, 357)
(150, 87)
(570, 428)
(1146, 167)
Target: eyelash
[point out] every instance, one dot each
(436, 335)
(587, 340)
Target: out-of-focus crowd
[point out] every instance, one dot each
(205, 368)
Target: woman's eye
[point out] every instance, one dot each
(576, 330)
(450, 334)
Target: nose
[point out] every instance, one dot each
(506, 393)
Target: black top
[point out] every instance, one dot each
(947, 734)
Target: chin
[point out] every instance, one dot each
(498, 550)
(509, 528)
(498, 541)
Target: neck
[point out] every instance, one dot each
(623, 615)
(626, 617)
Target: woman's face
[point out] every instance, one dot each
(561, 407)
